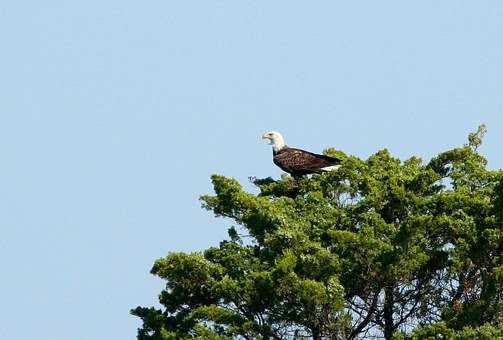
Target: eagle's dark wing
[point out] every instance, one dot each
(301, 162)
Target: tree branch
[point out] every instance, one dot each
(367, 319)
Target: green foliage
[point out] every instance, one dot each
(408, 250)
(440, 330)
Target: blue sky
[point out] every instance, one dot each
(113, 115)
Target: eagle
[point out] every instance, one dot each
(298, 162)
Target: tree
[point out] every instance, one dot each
(378, 248)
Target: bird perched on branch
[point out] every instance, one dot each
(298, 162)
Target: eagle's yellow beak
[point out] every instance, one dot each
(267, 136)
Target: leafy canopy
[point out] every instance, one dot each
(379, 247)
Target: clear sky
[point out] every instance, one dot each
(113, 115)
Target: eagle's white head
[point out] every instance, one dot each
(275, 139)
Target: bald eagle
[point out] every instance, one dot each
(298, 162)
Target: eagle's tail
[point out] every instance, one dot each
(330, 168)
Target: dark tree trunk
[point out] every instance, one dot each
(389, 326)
(316, 333)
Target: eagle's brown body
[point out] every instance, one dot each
(299, 162)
